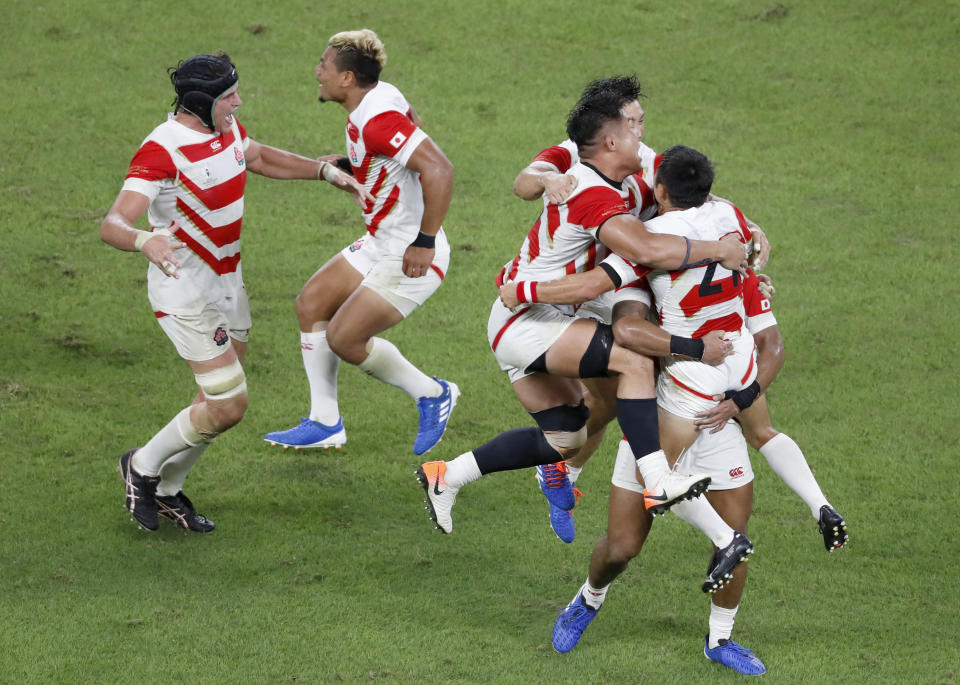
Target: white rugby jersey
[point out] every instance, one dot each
(196, 181)
(707, 298)
(563, 240)
(641, 202)
(381, 138)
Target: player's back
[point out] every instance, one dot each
(695, 301)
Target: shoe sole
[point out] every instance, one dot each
(728, 576)
(425, 482)
(694, 490)
(316, 445)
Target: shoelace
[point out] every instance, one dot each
(577, 494)
(554, 475)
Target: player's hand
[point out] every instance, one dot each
(508, 295)
(761, 248)
(733, 253)
(715, 348)
(347, 182)
(417, 261)
(766, 286)
(159, 249)
(558, 187)
(715, 419)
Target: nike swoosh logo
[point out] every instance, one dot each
(435, 489)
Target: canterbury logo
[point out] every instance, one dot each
(736, 472)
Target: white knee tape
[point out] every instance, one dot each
(188, 431)
(566, 440)
(223, 383)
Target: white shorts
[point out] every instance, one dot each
(383, 272)
(685, 388)
(723, 456)
(518, 339)
(204, 336)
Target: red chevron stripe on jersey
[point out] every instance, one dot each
(200, 151)
(218, 235)
(219, 196)
(220, 266)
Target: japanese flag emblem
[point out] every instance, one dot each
(398, 140)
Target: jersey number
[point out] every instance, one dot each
(708, 287)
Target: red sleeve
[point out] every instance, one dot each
(747, 235)
(557, 156)
(387, 133)
(152, 163)
(594, 206)
(754, 303)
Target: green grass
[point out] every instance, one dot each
(831, 124)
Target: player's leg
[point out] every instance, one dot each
(787, 461)
(319, 299)
(204, 343)
(554, 402)
(734, 506)
(627, 529)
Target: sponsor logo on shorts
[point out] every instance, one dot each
(736, 472)
(220, 337)
(357, 245)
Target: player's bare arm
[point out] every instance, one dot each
(628, 237)
(436, 178)
(119, 231)
(637, 333)
(275, 163)
(540, 178)
(572, 289)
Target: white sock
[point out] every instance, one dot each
(699, 514)
(787, 461)
(574, 473)
(653, 467)
(174, 471)
(462, 470)
(170, 440)
(593, 596)
(721, 624)
(385, 363)
(321, 365)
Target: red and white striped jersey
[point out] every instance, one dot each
(197, 180)
(707, 298)
(641, 202)
(381, 137)
(563, 240)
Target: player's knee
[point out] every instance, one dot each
(759, 436)
(225, 392)
(345, 345)
(564, 428)
(621, 549)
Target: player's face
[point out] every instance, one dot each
(328, 76)
(224, 109)
(633, 114)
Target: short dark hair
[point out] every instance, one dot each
(687, 175)
(627, 86)
(591, 113)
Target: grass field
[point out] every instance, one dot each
(833, 125)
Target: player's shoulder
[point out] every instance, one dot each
(383, 97)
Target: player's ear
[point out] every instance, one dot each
(660, 193)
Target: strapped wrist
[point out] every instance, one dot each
(744, 398)
(424, 240)
(527, 291)
(686, 347)
(328, 172)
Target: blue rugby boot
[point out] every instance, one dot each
(310, 434)
(434, 414)
(571, 623)
(734, 656)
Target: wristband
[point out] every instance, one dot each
(144, 236)
(686, 347)
(424, 240)
(328, 172)
(743, 398)
(527, 291)
(686, 258)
